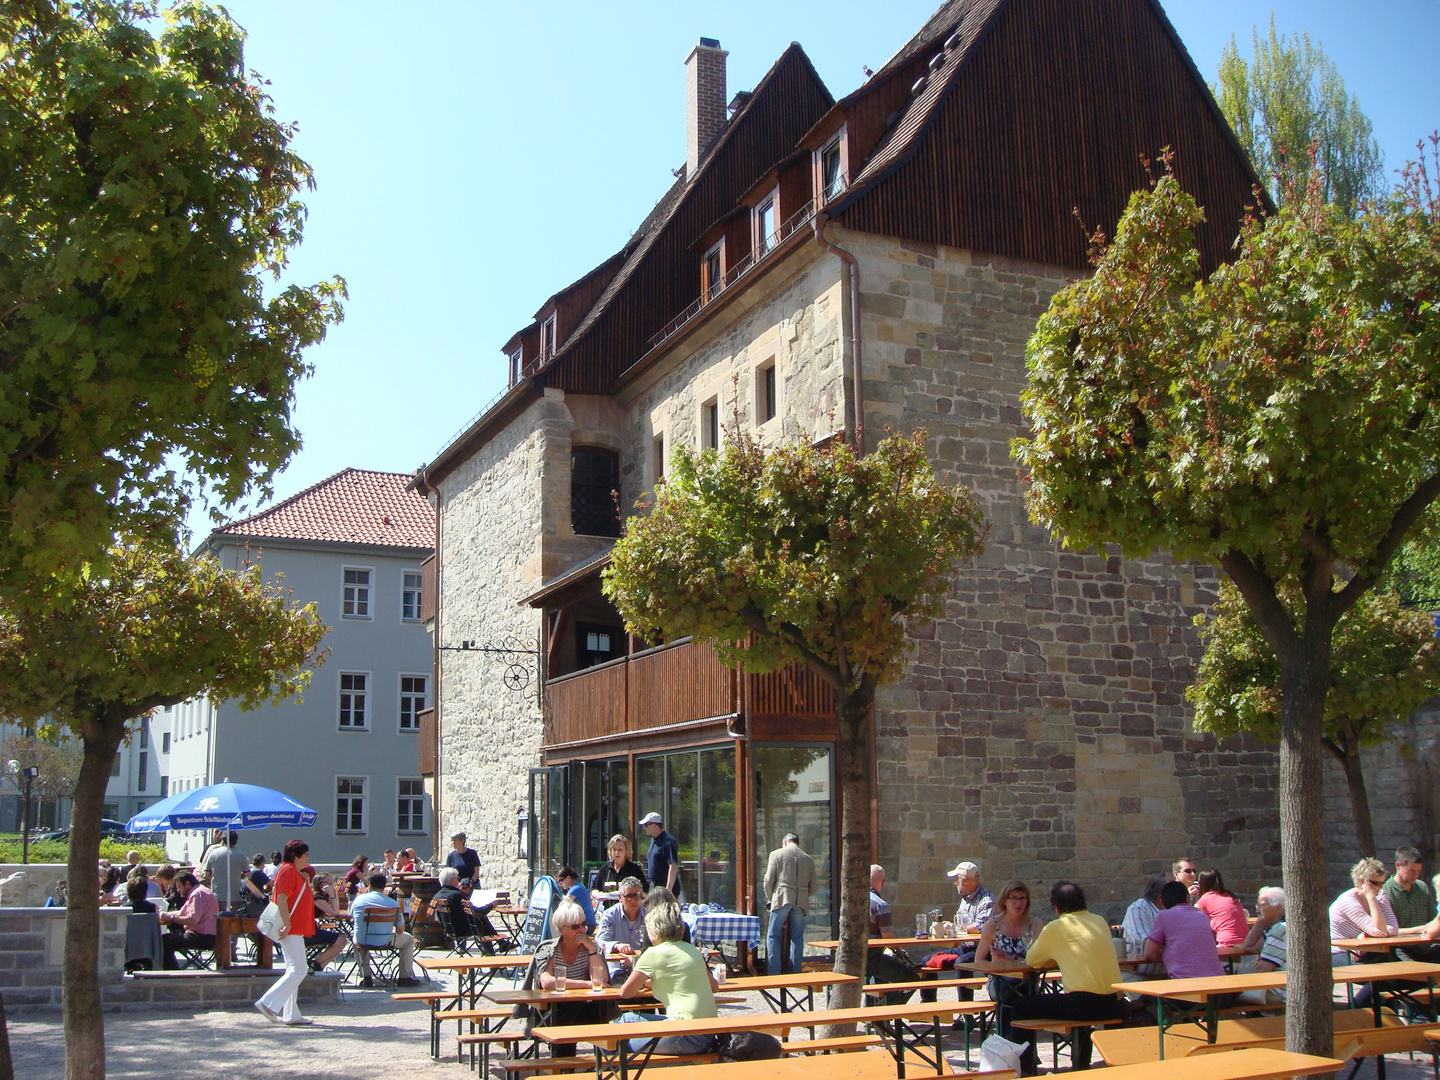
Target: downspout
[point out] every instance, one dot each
(422, 481)
(852, 268)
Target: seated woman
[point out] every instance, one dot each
(137, 891)
(255, 887)
(607, 879)
(575, 956)
(1007, 935)
(356, 875)
(676, 974)
(326, 902)
(1227, 915)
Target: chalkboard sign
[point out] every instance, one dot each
(536, 928)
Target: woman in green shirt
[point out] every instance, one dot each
(676, 975)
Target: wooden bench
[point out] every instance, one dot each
(866, 1065)
(875, 989)
(1132, 1046)
(486, 1037)
(434, 998)
(843, 1044)
(1062, 1032)
(1350, 1045)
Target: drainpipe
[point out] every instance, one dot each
(853, 270)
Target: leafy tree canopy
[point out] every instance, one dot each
(146, 191)
(800, 553)
(1291, 98)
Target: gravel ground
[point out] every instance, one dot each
(364, 1035)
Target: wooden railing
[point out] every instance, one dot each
(425, 748)
(670, 685)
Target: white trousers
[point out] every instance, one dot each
(280, 998)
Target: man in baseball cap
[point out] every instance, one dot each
(663, 857)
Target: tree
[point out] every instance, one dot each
(811, 555)
(147, 191)
(1384, 664)
(1289, 99)
(158, 629)
(1279, 419)
(57, 759)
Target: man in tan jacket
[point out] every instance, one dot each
(789, 883)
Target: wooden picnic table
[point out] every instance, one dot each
(905, 1026)
(904, 942)
(788, 993)
(1261, 1064)
(471, 970)
(226, 927)
(1377, 944)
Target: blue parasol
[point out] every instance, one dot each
(223, 806)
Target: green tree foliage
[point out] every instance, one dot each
(1291, 98)
(157, 629)
(1384, 664)
(1279, 419)
(804, 554)
(146, 193)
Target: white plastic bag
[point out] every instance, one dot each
(998, 1052)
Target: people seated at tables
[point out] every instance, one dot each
(1414, 905)
(977, 906)
(165, 879)
(381, 935)
(880, 965)
(405, 861)
(1007, 935)
(1181, 937)
(152, 891)
(569, 881)
(621, 866)
(112, 885)
(676, 974)
(276, 858)
(1078, 943)
(387, 865)
(621, 933)
(193, 926)
(356, 875)
(1185, 873)
(327, 902)
(1362, 911)
(466, 920)
(1227, 915)
(256, 886)
(575, 956)
(1139, 918)
(464, 861)
(882, 923)
(137, 891)
(1267, 937)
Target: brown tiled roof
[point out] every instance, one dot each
(354, 506)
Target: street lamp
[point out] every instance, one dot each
(30, 772)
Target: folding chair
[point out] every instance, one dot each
(460, 944)
(376, 961)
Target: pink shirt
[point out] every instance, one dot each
(203, 906)
(1350, 918)
(1227, 918)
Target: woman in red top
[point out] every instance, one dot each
(1227, 917)
(291, 893)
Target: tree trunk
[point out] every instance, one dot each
(1359, 802)
(7, 1067)
(1303, 686)
(84, 1024)
(853, 761)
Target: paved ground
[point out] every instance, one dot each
(364, 1036)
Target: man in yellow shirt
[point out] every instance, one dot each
(1078, 943)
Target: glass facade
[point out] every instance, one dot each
(794, 793)
(694, 791)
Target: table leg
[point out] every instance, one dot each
(1160, 1020)
(222, 947)
(265, 955)
(1212, 1018)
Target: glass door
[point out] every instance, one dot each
(794, 793)
(549, 797)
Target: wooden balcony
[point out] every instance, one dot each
(426, 748)
(674, 684)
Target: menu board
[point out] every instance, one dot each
(536, 927)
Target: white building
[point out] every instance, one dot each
(352, 544)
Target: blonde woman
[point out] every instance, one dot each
(607, 879)
(676, 974)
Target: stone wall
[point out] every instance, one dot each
(1042, 729)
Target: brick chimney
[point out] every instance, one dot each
(704, 100)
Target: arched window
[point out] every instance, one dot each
(594, 491)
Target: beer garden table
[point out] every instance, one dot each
(473, 973)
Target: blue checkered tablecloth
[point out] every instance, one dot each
(726, 926)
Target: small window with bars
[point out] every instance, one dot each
(594, 487)
(353, 691)
(350, 804)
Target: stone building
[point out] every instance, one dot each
(912, 232)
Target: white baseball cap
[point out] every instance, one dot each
(964, 869)
(651, 819)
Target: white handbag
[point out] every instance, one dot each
(269, 921)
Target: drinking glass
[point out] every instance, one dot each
(921, 924)
(561, 983)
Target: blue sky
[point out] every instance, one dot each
(473, 159)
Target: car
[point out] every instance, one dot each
(109, 829)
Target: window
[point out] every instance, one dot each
(832, 180)
(352, 700)
(110, 810)
(410, 817)
(164, 786)
(141, 770)
(165, 742)
(710, 425)
(115, 771)
(657, 457)
(410, 596)
(764, 226)
(350, 804)
(595, 643)
(711, 271)
(547, 338)
(766, 401)
(145, 737)
(357, 594)
(594, 482)
(517, 363)
(412, 701)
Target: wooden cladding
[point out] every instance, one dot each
(426, 745)
(428, 591)
(675, 684)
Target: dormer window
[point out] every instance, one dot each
(517, 362)
(832, 173)
(547, 338)
(765, 225)
(710, 270)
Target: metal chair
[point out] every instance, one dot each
(376, 961)
(460, 944)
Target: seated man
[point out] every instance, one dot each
(1078, 942)
(569, 880)
(621, 934)
(976, 906)
(466, 920)
(1414, 905)
(881, 965)
(1268, 937)
(193, 926)
(1182, 939)
(1139, 918)
(381, 935)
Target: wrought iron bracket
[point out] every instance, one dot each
(523, 658)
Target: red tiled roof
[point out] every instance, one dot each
(352, 507)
